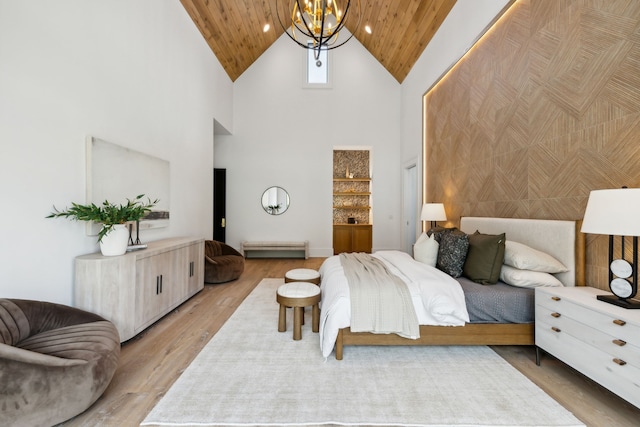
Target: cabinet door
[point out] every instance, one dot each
(153, 288)
(190, 270)
(341, 239)
(361, 239)
(195, 268)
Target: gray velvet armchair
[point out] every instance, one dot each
(55, 361)
(222, 263)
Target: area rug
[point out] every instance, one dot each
(250, 374)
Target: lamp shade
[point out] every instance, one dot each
(615, 212)
(433, 212)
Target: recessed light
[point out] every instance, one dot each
(266, 28)
(367, 29)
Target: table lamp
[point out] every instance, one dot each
(616, 212)
(433, 212)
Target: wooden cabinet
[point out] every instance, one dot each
(136, 289)
(600, 340)
(352, 238)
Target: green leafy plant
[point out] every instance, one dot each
(273, 208)
(108, 214)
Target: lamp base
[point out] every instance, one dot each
(624, 303)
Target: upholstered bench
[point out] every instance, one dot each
(298, 295)
(55, 361)
(277, 249)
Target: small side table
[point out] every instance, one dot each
(298, 295)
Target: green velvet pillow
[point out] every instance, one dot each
(484, 258)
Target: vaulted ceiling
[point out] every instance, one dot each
(401, 29)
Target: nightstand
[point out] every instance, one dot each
(600, 340)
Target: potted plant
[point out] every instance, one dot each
(113, 234)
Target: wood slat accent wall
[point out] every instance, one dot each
(544, 109)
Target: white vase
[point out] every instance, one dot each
(115, 241)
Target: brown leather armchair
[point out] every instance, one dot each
(222, 262)
(55, 361)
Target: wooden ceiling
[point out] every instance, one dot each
(401, 29)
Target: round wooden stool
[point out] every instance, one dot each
(298, 295)
(302, 275)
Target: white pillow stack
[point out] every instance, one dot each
(527, 267)
(425, 250)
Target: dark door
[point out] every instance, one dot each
(219, 204)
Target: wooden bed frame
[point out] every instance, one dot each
(488, 333)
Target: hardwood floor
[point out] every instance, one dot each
(153, 360)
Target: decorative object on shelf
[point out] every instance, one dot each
(275, 200)
(616, 212)
(137, 242)
(113, 235)
(316, 24)
(433, 212)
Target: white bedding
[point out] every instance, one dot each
(437, 297)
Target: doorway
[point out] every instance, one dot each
(410, 207)
(219, 204)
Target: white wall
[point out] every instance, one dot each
(460, 29)
(135, 73)
(285, 135)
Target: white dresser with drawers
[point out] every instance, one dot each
(598, 339)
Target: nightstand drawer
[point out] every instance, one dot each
(622, 378)
(598, 339)
(614, 346)
(617, 326)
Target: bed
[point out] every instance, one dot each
(560, 239)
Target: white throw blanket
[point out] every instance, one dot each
(380, 301)
(437, 297)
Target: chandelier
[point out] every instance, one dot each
(316, 24)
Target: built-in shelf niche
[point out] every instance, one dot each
(351, 187)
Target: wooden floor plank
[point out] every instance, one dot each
(152, 361)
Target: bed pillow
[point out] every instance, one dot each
(484, 258)
(452, 252)
(437, 232)
(425, 250)
(527, 278)
(525, 258)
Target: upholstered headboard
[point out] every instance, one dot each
(560, 239)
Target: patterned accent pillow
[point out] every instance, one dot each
(452, 252)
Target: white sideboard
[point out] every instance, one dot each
(596, 338)
(136, 289)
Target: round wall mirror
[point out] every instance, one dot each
(275, 200)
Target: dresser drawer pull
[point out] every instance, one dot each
(554, 329)
(619, 322)
(556, 315)
(620, 342)
(556, 298)
(619, 361)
